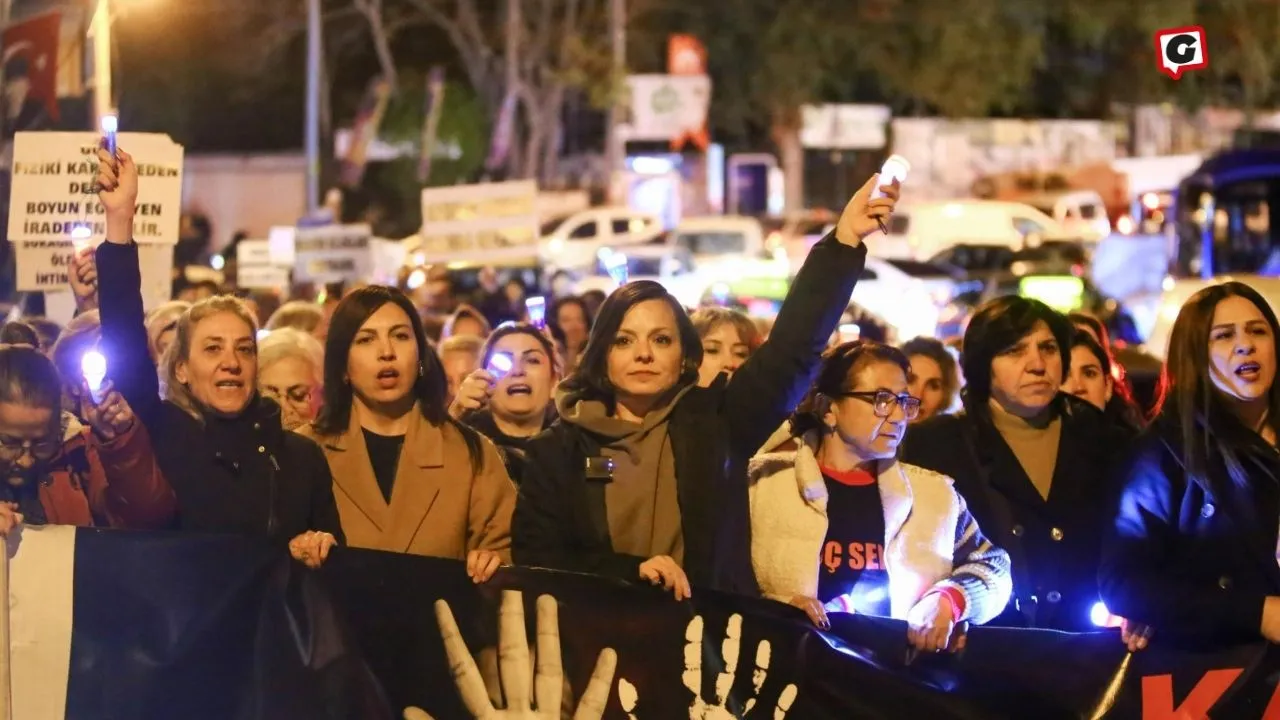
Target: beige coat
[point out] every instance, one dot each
(439, 507)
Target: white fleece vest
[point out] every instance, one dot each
(789, 523)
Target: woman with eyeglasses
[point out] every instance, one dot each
(58, 471)
(219, 442)
(644, 477)
(291, 371)
(508, 399)
(838, 524)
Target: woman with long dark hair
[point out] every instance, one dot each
(1192, 552)
(1092, 378)
(407, 477)
(644, 476)
(218, 442)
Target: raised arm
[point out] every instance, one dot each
(124, 332)
(772, 381)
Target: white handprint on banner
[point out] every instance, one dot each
(517, 668)
(700, 709)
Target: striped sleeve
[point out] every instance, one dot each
(981, 571)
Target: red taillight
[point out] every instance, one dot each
(1077, 270)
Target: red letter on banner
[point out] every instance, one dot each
(1157, 695)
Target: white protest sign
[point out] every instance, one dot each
(253, 252)
(479, 217)
(262, 277)
(44, 266)
(281, 241)
(53, 178)
(333, 253)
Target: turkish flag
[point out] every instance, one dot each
(31, 48)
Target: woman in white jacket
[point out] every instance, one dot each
(839, 525)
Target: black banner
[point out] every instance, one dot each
(207, 627)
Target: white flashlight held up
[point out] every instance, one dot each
(93, 365)
(895, 168)
(80, 236)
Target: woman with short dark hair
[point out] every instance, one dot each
(508, 400)
(643, 478)
(1032, 462)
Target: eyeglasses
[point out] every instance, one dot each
(882, 402)
(42, 450)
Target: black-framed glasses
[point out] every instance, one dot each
(882, 402)
(42, 450)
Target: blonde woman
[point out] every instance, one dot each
(221, 445)
(160, 324)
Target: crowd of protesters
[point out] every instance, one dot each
(1018, 484)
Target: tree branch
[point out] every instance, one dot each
(372, 11)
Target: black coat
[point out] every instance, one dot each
(1054, 544)
(243, 474)
(1193, 563)
(561, 520)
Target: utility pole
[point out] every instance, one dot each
(615, 145)
(312, 130)
(103, 91)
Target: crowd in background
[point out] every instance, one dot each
(1017, 483)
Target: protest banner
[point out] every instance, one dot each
(43, 266)
(54, 176)
(343, 253)
(478, 218)
(255, 269)
(155, 626)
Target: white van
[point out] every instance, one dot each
(922, 230)
(573, 244)
(1080, 212)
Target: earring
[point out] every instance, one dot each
(421, 370)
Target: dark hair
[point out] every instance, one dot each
(47, 330)
(17, 332)
(430, 389)
(511, 328)
(591, 378)
(1121, 407)
(933, 349)
(998, 326)
(28, 377)
(1207, 425)
(840, 368)
(1095, 325)
(553, 317)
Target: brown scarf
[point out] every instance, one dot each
(642, 502)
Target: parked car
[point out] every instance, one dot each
(1064, 292)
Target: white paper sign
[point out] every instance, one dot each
(479, 217)
(333, 253)
(844, 127)
(53, 178)
(253, 252)
(43, 267)
(667, 107)
(262, 277)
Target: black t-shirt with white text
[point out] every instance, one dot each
(852, 562)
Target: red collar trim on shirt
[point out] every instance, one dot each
(855, 478)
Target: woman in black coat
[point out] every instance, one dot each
(218, 442)
(644, 475)
(1033, 463)
(1192, 552)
